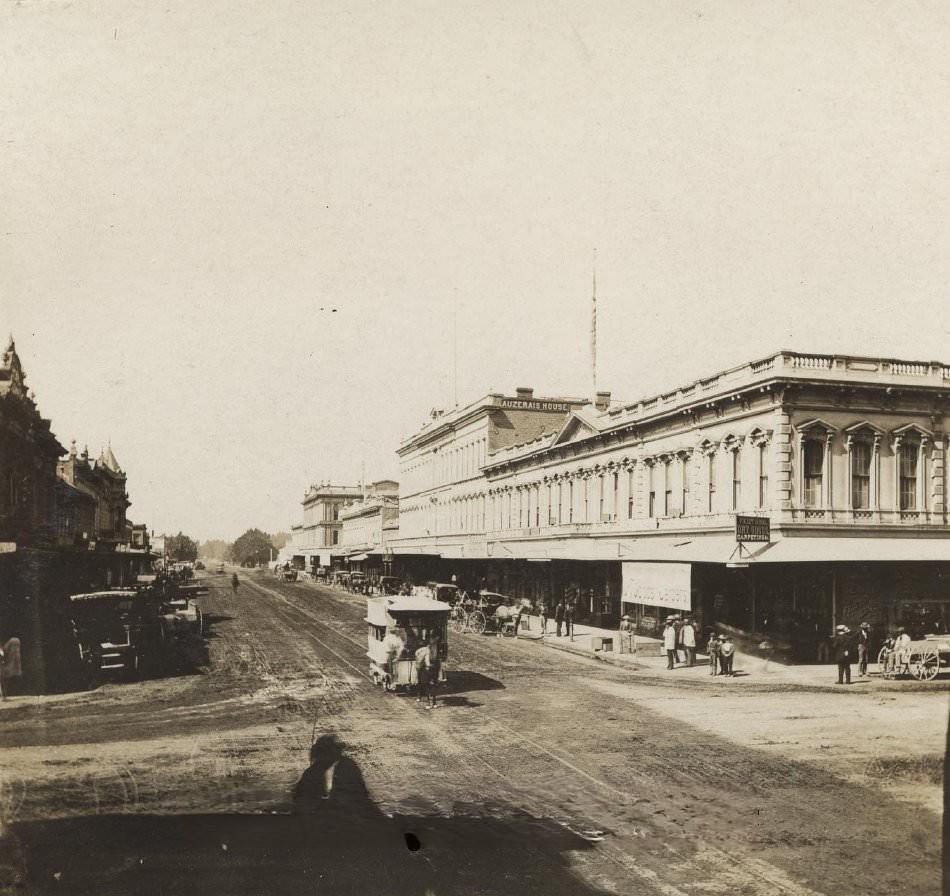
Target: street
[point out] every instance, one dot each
(538, 771)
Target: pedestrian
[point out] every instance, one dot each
(433, 667)
(518, 615)
(688, 640)
(678, 625)
(712, 648)
(843, 647)
(902, 652)
(864, 648)
(543, 611)
(669, 643)
(727, 653)
(569, 619)
(559, 617)
(421, 660)
(234, 583)
(627, 630)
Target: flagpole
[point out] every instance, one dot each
(593, 327)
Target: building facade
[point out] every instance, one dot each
(62, 530)
(315, 540)
(366, 525)
(632, 507)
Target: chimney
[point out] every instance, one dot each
(524, 393)
(602, 401)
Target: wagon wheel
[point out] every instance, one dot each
(885, 663)
(925, 665)
(458, 619)
(476, 622)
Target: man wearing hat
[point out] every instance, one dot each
(669, 642)
(626, 632)
(843, 647)
(864, 648)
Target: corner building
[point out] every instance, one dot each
(632, 507)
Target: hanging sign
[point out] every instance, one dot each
(753, 529)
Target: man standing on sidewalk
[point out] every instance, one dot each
(569, 619)
(864, 648)
(543, 613)
(669, 643)
(843, 647)
(688, 640)
(559, 616)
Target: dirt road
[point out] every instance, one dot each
(540, 770)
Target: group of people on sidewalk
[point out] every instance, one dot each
(563, 618)
(679, 635)
(849, 646)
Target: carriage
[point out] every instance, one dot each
(921, 659)
(117, 632)
(397, 627)
(488, 612)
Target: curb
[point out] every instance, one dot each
(600, 656)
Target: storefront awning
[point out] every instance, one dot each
(788, 549)
(359, 557)
(842, 549)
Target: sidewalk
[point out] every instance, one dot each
(649, 659)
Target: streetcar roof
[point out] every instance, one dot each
(413, 604)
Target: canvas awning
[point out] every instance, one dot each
(788, 549)
(359, 557)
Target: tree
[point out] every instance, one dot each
(181, 547)
(279, 539)
(215, 549)
(252, 547)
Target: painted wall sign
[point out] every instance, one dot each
(530, 404)
(657, 584)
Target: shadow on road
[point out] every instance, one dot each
(461, 681)
(337, 841)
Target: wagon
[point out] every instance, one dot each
(923, 658)
(116, 631)
(489, 612)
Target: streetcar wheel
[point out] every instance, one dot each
(926, 665)
(477, 622)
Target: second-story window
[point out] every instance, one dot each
(736, 479)
(711, 475)
(601, 480)
(615, 509)
(570, 501)
(860, 476)
(654, 472)
(631, 493)
(813, 461)
(667, 490)
(763, 475)
(684, 482)
(907, 459)
(537, 506)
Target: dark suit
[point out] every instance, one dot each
(843, 646)
(863, 645)
(559, 618)
(569, 620)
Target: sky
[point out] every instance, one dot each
(253, 244)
